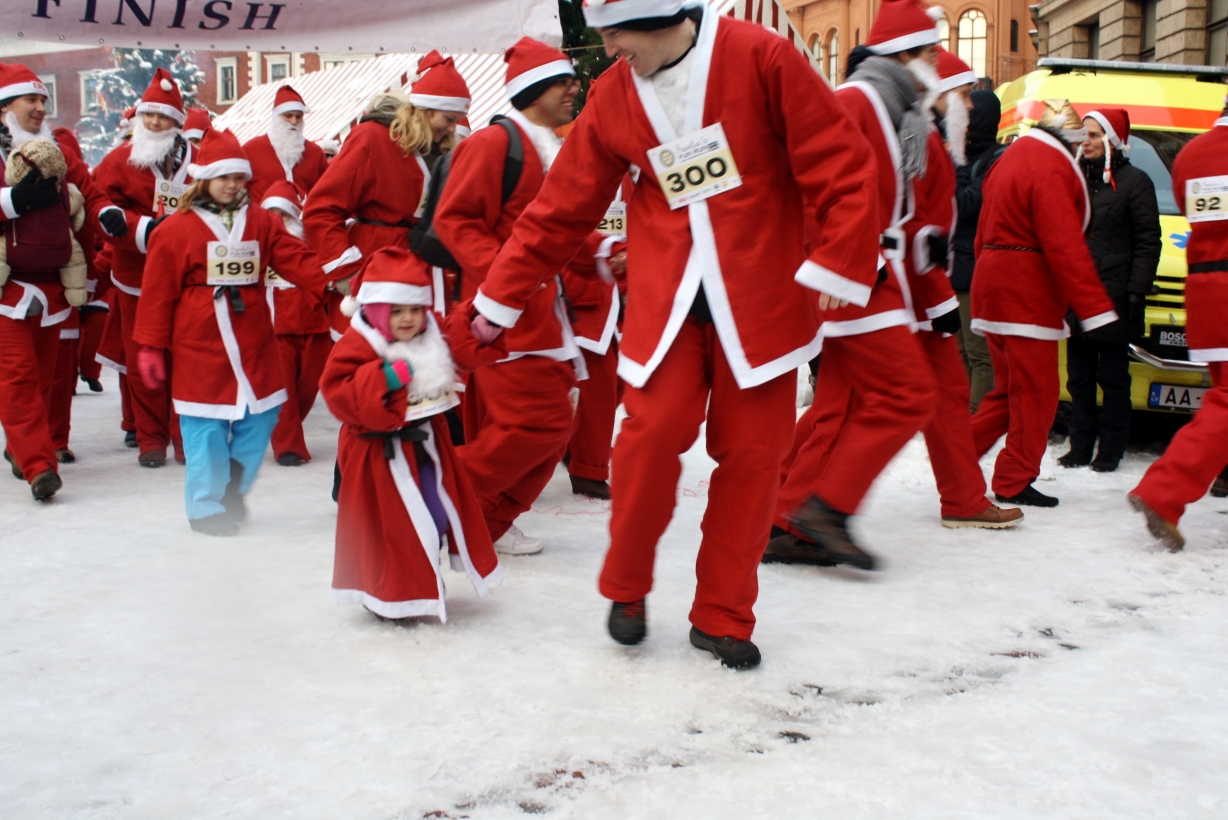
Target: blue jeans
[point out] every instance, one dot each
(210, 444)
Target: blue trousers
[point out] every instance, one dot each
(210, 444)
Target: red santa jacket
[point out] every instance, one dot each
(268, 168)
(933, 215)
(132, 189)
(798, 157)
(1032, 260)
(371, 181)
(226, 362)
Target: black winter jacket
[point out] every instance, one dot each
(983, 150)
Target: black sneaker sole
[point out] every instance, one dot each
(748, 658)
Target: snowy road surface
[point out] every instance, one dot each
(1067, 669)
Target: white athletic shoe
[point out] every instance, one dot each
(515, 542)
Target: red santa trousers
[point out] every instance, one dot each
(1194, 457)
(151, 407)
(28, 353)
(1022, 405)
(303, 357)
(93, 324)
(874, 392)
(518, 419)
(594, 431)
(59, 405)
(747, 435)
(948, 435)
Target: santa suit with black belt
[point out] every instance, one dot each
(798, 156)
(269, 166)
(1200, 449)
(1031, 263)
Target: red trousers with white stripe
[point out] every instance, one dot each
(518, 419)
(303, 357)
(1194, 457)
(59, 407)
(151, 407)
(28, 353)
(594, 430)
(747, 435)
(874, 392)
(1022, 405)
(93, 324)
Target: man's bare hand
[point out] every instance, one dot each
(618, 263)
(830, 302)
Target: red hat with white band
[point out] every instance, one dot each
(1116, 125)
(463, 128)
(219, 154)
(162, 97)
(394, 276)
(901, 25)
(953, 71)
(17, 81)
(288, 100)
(610, 13)
(440, 86)
(197, 123)
(284, 196)
(532, 61)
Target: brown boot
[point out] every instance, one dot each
(590, 487)
(152, 458)
(13, 465)
(993, 518)
(45, 485)
(1219, 488)
(828, 530)
(65, 456)
(1164, 531)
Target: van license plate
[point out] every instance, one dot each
(1175, 397)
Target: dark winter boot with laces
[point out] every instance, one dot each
(827, 530)
(235, 506)
(731, 652)
(628, 622)
(1029, 496)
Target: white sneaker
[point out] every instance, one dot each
(515, 542)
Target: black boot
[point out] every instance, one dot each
(784, 547)
(1073, 459)
(732, 653)
(1219, 488)
(1030, 497)
(628, 623)
(94, 385)
(45, 485)
(220, 524)
(130, 438)
(1105, 463)
(14, 466)
(236, 508)
(828, 532)
(290, 460)
(590, 487)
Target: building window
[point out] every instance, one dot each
(279, 67)
(1148, 51)
(89, 91)
(973, 36)
(1014, 36)
(816, 50)
(944, 32)
(1093, 41)
(53, 105)
(833, 56)
(227, 80)
(335, 60)
(1217, 32)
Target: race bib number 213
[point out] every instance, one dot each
(695, 167)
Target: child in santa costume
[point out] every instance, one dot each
(1032, 262)
(403, 491)
(145, 176)
(207, 305)
(1200, 449)
(302, 335)
(742, 155)
(283, 153)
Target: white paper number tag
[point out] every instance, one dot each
(424, 406)
(274, 281)
(233, 263)
(614, 223)
(695, 167)
(166, 195)
(1206, 199)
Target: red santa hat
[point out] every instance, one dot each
(67, 141)
(197, 123)
(219, 154)
(953, 71)
(284, 196)
(440, 86)
(463, 129)
(531, 61)
(125, 122)
(393, 276)
(287, 100)
(902, 25)
(1116, 125)
(162, 97)
(607, 13)
(17, 81)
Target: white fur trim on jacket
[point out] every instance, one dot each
(1099, 320)
(501, 315)
(982, 327)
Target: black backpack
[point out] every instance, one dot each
(422, 237)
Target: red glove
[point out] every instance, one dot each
(151, 362)
(484, 330)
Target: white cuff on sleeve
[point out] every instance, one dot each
(602, 258)
(943, 309)
(501, 315)
(1099, 321)
(142, 227)
(6, 203)
(352, 254)
(921, 249)
(817, 277)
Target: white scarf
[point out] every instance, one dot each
(149, 148)
(287, 140)
(431, 361)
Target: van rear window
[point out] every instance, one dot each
(1153, 153)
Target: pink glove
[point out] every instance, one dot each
(151, 362)
(484, 330)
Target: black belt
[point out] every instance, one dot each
(378, 224)
(408, 433)
(1010, 248)
(231, 291)
(1214, 266)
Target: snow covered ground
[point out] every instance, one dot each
(1067, 669)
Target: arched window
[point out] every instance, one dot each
(816, 48)
(944, 32)
(833, 56)
(972, 40)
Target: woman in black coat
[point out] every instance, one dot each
(1125, 242)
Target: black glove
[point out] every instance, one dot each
(113, 222)
(940, 249)
(149, 229)
(948, 322)
(34, 193)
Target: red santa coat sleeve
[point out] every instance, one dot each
(467, 354)
(354, 386)
(95, 199)
(469, 209)
(348, 182)
(934, 214)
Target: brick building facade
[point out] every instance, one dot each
(1188, 32)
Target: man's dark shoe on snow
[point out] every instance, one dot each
(1030, 496)
(628, 622)
(828, 530)
(730, 651)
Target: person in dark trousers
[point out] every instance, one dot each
(1125, 242)
(983, 149)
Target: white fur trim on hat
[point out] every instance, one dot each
(291, 105)
(955, 81)
(607, 14)
(558, 68)
(929, 37)
(221, 168)
(282, 204)
(160, 108)
(191, 133)
(457, 104)
(393, 293)
(1108, 129)
(8, 92)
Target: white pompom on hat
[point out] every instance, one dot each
(162, 97)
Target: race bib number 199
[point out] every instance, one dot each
(695, 167)
(1206, 199)
(166, 195)
(233, 263)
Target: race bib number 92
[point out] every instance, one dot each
(695, 167)
(1206, 199)
(233, 263)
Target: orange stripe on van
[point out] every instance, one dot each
(1154, 116)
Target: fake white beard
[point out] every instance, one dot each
(928, 77)
(956, 121)
(149, 147)
(287, 141)
(294, 226)
(21, 136)
(431, 360)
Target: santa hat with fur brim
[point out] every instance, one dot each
(1116, 125)
(162, 97)
(284, 195)
(953, 71)
(17, 81)
(902, 25)
(219, 154)
(392, 276)
(440, 86)
(532, 66)
(197, 123)
(287, 100)
(609, 13)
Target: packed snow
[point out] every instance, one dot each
(1066, 669)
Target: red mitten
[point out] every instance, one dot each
(151, 362)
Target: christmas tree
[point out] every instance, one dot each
(584, 47)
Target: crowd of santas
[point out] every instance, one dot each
(473, 311)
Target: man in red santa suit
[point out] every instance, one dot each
(283, 153)
(1032, 262)
(197, 123)
(751, 180)
(145, 176)
(32, 301)
(1199, 451)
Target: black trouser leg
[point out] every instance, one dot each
(1082, 362)
(1114, 380)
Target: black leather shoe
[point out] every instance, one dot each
(628, 623)
(94, 385)
(290, 460)
(1073, 459)
(1105, 464)
(590, 487)
(1030, 497)
(17, 473)
(731, 652)
(45, 485)
(130, 438)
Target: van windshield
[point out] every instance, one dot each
(1153, 153)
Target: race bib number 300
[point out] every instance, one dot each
(1206, 199)
(695, 167)
(233, 263)
(166, 195)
